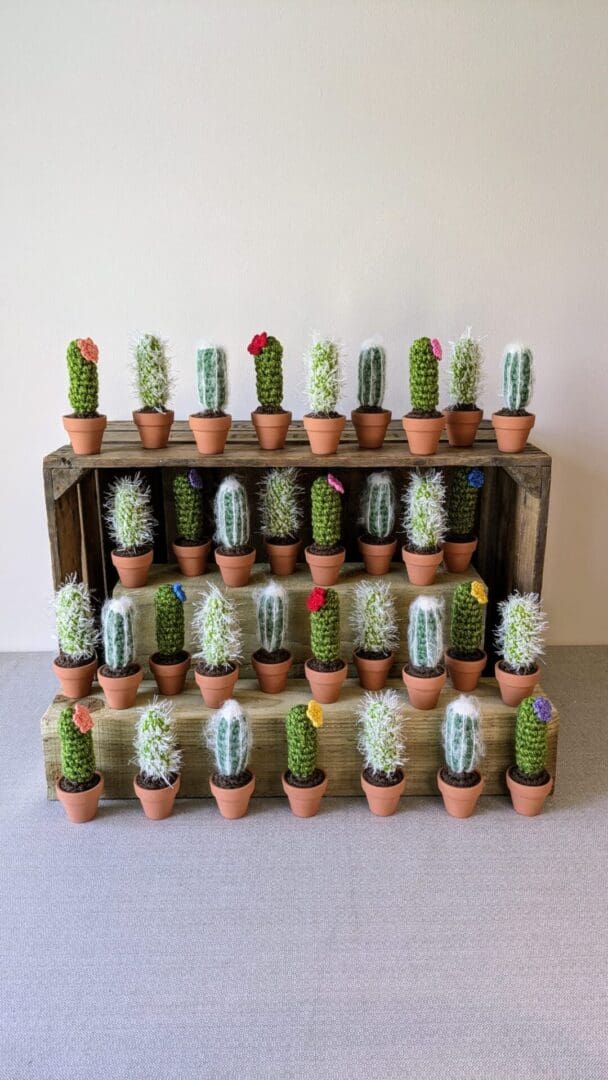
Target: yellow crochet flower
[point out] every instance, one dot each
(479, 591)
(314, 713)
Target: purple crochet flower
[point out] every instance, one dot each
(476, 478)
(179, 593)
(542, 709)
(195, 479)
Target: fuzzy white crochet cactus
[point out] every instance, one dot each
(425, 633)
(231, 508)
(517, 377)
(217, 630)
(118, 633)
(271, 612)
(280, 504)
(461, 733)
(323, 377)
(212, 378)
(77, 634)
(152, 372)
(520, 632)
(229, 738)
(129, 517)
(424, 513)
(156, 754)
(465, 370)
(381, 741)
(378, 506)
(373, 618)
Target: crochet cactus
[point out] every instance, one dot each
(301, 724)
(82, 356)
(169, 611)
(533, 715)
(77, 754)
(228, 737)
(271, 611)
(152, 372)
(326, 506)
(378, 506)
(424, 376)
(371, 375)
(466, 634)
(212, 379)
(465, 370)
(381, 742)
(231, 514)
(517, 377)
(520, 632)
(424, 516)
(268, 357)
(217, 630)
(425, 633)
(77, 634)
(463, 495)
(188, 497)
(324, 377)
(324, 608)
(129, 516)
(280, 507)
(461, 731)
(117, 628)
(156, 753)
(374, 619)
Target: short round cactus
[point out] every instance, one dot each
(76, 741)
(424, 377)
(83, 393)
(465, 372)
(520, 632)
(371, 375)
(425, 634)
(517, 378)
(280, 504)
(374, 619)
(188, 497)
(378, 506)
(212, 379)
(326, 505)
(268, 356)
(301, 725)
(424, 515)
(156, 754)
(129, 517)
(463, 495)
(228, 736)
(118, 633)
(232, 528)
(466, 634)
(324, 608)
(217, 630)
(169, 613)
(533, 715)
(381, 742)
(77, 634)
(152, 372)
(323, 377)
(461, 732)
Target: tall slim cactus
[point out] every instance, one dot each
(76, 742)
(129, 515)
(152, 372)
(533, 715)
(271, 612)
(324, 377)
(461, 731)
(381, 741)
(117, 627)
(424, 376)
(371, 375)
(188, 498)
(517, 377)
(301, 724)
(268, 356)
(463, 494)
(170, 629)
(232, 528)
(520, 631)
(77, 634)
(424, 515)
(466, 634)
(373, 618)
(324, 608)
(378, 506)
(156, 753)
(326, 507)
(212, 379)
(217, 630)
(465, 371)
(83, 393)
(229, 738)
(425, 633)
(280, 508)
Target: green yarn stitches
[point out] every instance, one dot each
(325, 629)
(301, 743)
(467, 621)
(425, 633)
(231, 514)
(517, 377)
(424, 376)
(77, 754)
(461, 504)
(77, 634)
(83, 390)
(152, 374)
(228, 736)
(188, 508)
(169, 611)
(326, 507)
(271, 612)
(324, 377)
(269, 374)
(212, 378)
(530, 740)
(378, 506)
(117, 617)
(381, 742)
(156, 753)
(280, 510)
(465, 370)
(371, 375)
(461, 733)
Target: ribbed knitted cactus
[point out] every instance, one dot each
(461, 731)
(188, 497)
(117, 628)
(324, 608)
(424, 376)
(77, 753)
(83, 393)
(156, 753)
(371, 375)
(323, 377)
(301, 725)
(271, 611)
(463, 495)
(424, 516)
(152, 372)
(216, 628)
(425, 633)
(466, 634)
(169, 612)
(231, 508)
(381, 741)
(229, 738)
(280, 504)
(77, 634)
(130, 520)
(268, 356)
(379, 506)
(517, 377)
(374, 618)
(212, 379)
(533, 715)
(465, 371)
(520, 632)
(326, 507)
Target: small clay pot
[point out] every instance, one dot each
(157, 803)
(133, 569)
(421, 569)
(282, 557)
(377, 557)
(514, 688)
(192, 558)
(76, 682)
(154, 428)
(324, 433)
(85, 434)
(383, 801)
(423, 435)
(465, 674)
(512, 432)
(271, 429)
(216, 689)
(272, 677)
(210, 432)
(304, 801)
(528, 799)
(324, 569)
(81, 806)
(121, 693)
(370, 427)
(372, 673)
(462, 425)
(233, 803)
(235, 569)
(457, 555)
(170, 678)
(423, 693)
(459, 802)
(325, 686)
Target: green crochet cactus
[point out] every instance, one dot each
(271, 612)
(212, 379)
(463, 495)
(268, 357)
(326, 505)
(83, 378)
(424, 377)
(371, 376)
(533, 715)
(323, 377)
(76, 741)
(156, 753)
(517, 377)
(169, 611)
(279, 504)
(378, 506)
(324, 607)
(188, 497)
(465, 371)
(468, 601)
(77, 633)
(231, 507)
(229, 738)
(425, 633)
(301, 733)
(117, 618)
(461, 731)
(152, 372)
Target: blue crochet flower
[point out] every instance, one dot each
(179, 592)
(476, 478)
(542, 709)
(195, 479)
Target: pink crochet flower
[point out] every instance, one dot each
(436, 347)
(335, 483)
(88, 349)
(82, 719)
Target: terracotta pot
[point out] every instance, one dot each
(85, 435)
(459, 802)
(372, 673)
(514, 688)
(272, 677)
(324, 433)
(325, 686)
(371, 428)
(423, 435)
(170, 678)
(304, 801)
(465, 674)
(324, 569)
(235, 569)
(133, 569)
(462, 426)
(271, 429)
(423, 693)
(528, 799)
(457, 555)
(191, 558)
(383, 801)
(233, 803)
(81, 806)
(216, 689)
(282, 557)
(154, 428)
(377, 557)
(210, 432)
(76, 682)
(157, 803)
(421, 569)
(121, 693)
(512, 432)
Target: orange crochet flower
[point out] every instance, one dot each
(82, 719)
(88, 349)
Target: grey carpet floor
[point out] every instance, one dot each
(278, 949)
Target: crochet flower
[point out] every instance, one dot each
(335, 483)
(257, 343)
(316, 598)
(436, 347)
(542, 709)
(479, 591)
(314, 713)
(82, 719)
(88, 349)
(475, 478)
(195, 479)
(179, 592)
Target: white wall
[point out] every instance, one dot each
(217, 168)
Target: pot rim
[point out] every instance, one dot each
(530, 791)
(297, 787)
(460, 794)
(156, 794)
(209, 421)
(83, 421)
(326, 560)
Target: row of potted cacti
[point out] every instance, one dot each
(324, 381)
(228, 735)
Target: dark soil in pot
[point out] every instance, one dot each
(367, 655)
(421, 551)
(424, 673)
(324, 416)
(423, 414)
(367, 538)
(205, 669)
(512, 671)
(231, 782)
(68, 662)
(315, 778)
(513, 412)
(529, 781)
(382, 779)
(281, 540)
(71, 788)
(319, 549)
(468, 407)
(325, 665)
(154, 784)
(237, 551)
(460, 780)
(182, 542)
(177, 658)
(120, 673)
(456, 655)
(132, 553)
(278, 657)
(210, 414)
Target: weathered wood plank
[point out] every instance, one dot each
(64, 529)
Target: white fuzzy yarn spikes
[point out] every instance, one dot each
(324, 376)
(520, 631)
(156, 753)
(229, 738)
(373, 618)
(77, 633)
(232, 527)
(461, 733)
(424, 516)
(129, 516)
(381, 742)
(217, 630)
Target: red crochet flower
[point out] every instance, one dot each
(257, 343)
(88, 349)
(316, 598)
(82, 719)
